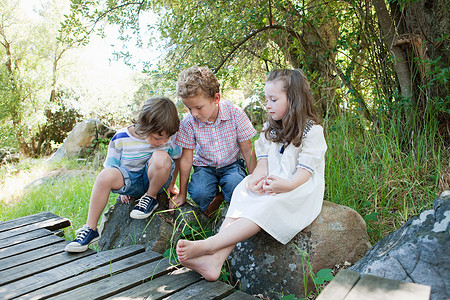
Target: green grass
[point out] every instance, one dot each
(373, 174)
(64, 191)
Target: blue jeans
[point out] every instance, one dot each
(204, 182)
(136, 183)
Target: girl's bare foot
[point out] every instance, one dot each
(208, 266)
(192, 249)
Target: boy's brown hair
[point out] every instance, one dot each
(158, 114)
(197, 81)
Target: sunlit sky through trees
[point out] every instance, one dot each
(94, 71)
(100, 50)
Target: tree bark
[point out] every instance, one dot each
(389, 34)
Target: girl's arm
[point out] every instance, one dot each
(256, 181)
(185, 170)
(275, 185)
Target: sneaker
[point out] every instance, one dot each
(85, 237)
(145, 207)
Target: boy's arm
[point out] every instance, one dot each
(256, 181)
(173, 190)
(249, 155)
(185, 170)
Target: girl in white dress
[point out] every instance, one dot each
(284, 194)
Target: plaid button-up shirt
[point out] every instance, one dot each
(216, 144)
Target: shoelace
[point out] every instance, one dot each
(82, 234)
(144, 202)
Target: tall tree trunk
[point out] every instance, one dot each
(389, 35)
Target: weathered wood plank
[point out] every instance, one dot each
(238, 295)
(207, 290)
(118, 282)
(340, 286)
(28, 236)
(37, 266)
(371, 287)
(50, 224)
(160, 287)
(27, 257)
(30, 245)
(89, 276)
(26, 220)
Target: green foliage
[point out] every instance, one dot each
(63, 188)
(372, 173)
(98, 147)
(336, 43)
(65, 194)
(29, 76)
(323, 275)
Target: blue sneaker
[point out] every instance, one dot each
(145, 207)
(85, 237)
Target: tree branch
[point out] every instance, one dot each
(113, 9)
(252, 35)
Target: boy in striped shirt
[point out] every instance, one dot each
(219, 132)
(140, 163)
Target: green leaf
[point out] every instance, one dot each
(323, 275)
(371, 217)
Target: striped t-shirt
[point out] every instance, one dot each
(132, 153)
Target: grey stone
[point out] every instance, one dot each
(81, 136)
(157, 232)
(262, 265)
(417, 252)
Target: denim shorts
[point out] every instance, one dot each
(205, 181)
(136, 182)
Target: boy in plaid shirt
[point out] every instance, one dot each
(218, 131)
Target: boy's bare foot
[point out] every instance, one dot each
(208, 266)
(191, 249)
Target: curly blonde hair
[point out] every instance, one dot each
(197, 81)
(289, 130)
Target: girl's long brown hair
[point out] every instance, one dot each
(289, 130)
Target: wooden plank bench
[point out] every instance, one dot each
(349, 285)
(33, 265)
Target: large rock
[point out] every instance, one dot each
(418, 252)
(82, 136)
(262, 265)
(157, 232)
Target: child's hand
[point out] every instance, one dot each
(173, 190)
(125, 199)
(255, 184)
(176, 201)
(274, 185)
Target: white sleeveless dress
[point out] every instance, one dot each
(286, 214)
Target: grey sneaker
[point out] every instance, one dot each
(145, 207)
(85, 237)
